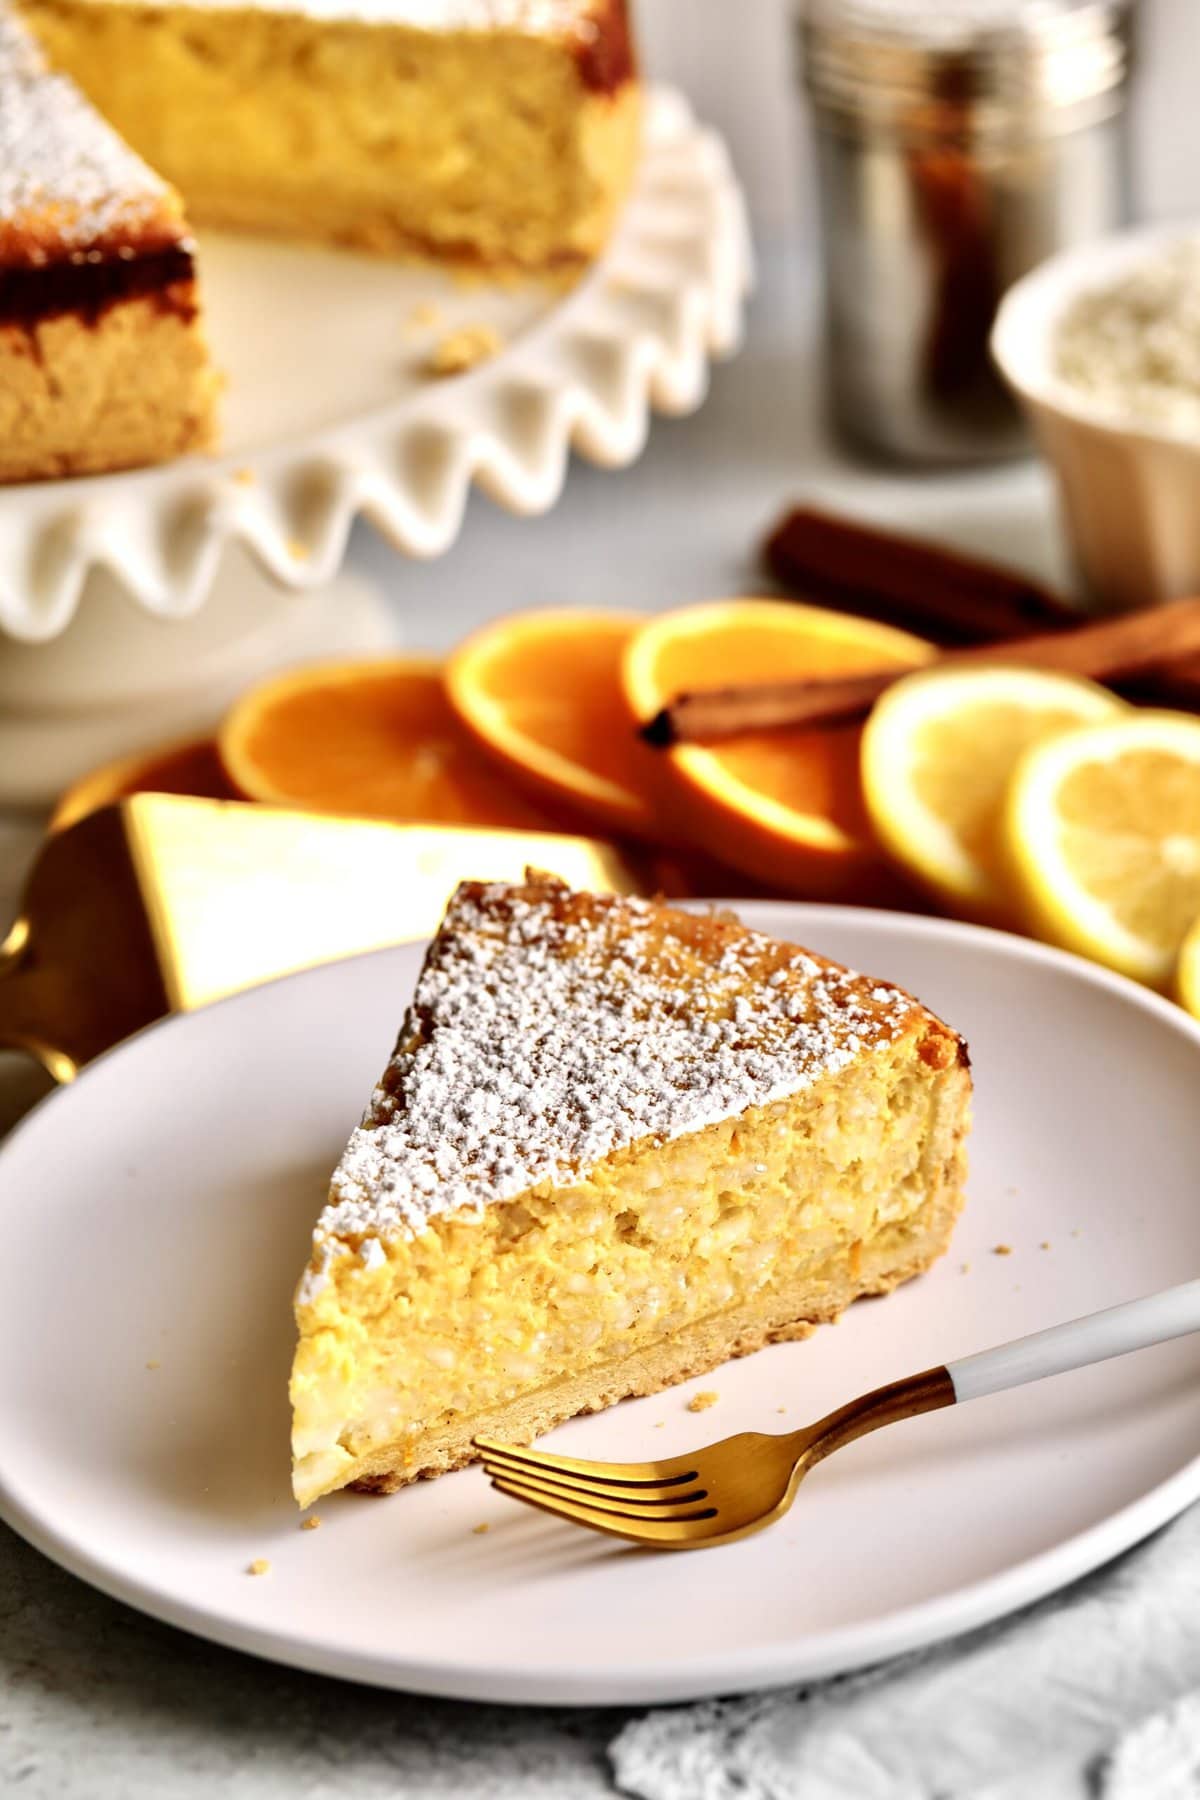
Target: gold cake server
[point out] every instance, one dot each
(160, 903)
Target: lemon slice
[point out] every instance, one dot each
(1103, 831)
(1187, 971)
(937, 754)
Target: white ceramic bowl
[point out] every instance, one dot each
(1130, 491)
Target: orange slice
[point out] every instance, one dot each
(377, 739)
(541, 692)
(784, 806)
(192, 767)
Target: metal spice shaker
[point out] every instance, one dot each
(957, 145)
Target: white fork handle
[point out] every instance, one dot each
(1113, 1332)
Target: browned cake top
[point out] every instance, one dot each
(550, 1028)
(70, 189)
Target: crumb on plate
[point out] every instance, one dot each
(423, 317)
(245, 477)
(462, 349)
(313, 1524)
(154, 1363)
(1001, 1249)
(703, 1400)
(260, 1566)
(478, 1530)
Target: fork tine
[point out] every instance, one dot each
(496, 1463)
(617, 1474)
(667, 1533)
(617, 1509)
(632, 1499)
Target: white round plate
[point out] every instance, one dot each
(156, 1214)
(330, 412)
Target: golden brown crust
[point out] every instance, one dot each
(36, 238)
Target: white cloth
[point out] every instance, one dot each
(1093, 1695)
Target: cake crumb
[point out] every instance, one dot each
(659, 1423)
(423, 317)
(260, 1566)
(1001, 1249)
(478, 1530)
(1045, 1244)
(1077, 1232)
(964, 1268)
(298, 549)
(154, 1363)
(703, 1400)
(463, 349)
(781, 1409)
(245, 477)
(313, 1524)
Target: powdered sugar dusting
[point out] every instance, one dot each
(548, 1030)
(65, 176)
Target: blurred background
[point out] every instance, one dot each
(685, 521)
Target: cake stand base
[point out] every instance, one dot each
(119, 680)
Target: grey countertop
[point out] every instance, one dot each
(97, 1701)
(103, 1703)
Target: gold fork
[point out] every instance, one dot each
(737, 1486)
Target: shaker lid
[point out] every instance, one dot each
(1000, 58)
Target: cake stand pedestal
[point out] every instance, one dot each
(121, 680)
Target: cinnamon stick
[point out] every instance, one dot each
(942, 594)
(1109, 650)
(948, 596)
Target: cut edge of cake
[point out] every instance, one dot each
(617, 1145)
(490, 134)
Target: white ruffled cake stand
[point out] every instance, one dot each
(134, 606)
